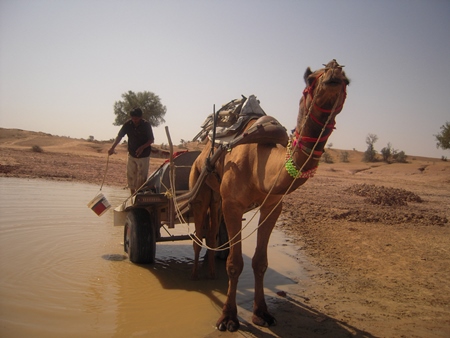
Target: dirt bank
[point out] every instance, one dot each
(377, 237)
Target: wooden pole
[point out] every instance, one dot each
(171, 210)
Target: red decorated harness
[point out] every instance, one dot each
(291, 167)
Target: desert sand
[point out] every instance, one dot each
(377, 235)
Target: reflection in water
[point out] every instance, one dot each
(64, 272)
(114, 257)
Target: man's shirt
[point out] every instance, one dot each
(137, 136)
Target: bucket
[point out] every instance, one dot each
(99, 204)
(120, 216)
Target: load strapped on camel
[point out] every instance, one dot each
(232, 119)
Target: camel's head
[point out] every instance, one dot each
(323, 98)
(331, 76)
(326, 88)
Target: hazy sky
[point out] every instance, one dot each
(64, 63)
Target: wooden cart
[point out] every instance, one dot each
(164, 200)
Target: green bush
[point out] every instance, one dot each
(400, 157)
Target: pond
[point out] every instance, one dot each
(64, 272)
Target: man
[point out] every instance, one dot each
(140, 138)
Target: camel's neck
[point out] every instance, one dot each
(322, 100)
(308, 143)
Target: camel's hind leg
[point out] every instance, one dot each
(201, 218)
(212, 231)
(232, 214)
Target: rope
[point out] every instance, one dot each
(222, 247)
(104, 177)
(106, 170)
(293, 181)
(289, 158)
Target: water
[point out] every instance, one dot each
(63, 271)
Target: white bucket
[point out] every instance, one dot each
(99, 204)
(120, 216)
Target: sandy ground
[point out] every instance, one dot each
(377, 237)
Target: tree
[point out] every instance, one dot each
(344, 156)
(400, 157)
(387, 153)
(370, 154)
(393, 155)
(443, 138)
(152, 108)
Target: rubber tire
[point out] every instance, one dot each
(139, 237)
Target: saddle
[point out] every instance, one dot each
(232, 119)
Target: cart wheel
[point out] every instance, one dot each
(139, 237)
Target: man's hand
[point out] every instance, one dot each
(142, 148)
(139, 151)
(111, 151)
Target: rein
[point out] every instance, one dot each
(290, 166)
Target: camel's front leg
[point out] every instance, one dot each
(235, 264)
(229, 319)
(261, 315)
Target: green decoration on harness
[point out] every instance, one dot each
(291, 169)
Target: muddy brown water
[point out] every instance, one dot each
(63, 271)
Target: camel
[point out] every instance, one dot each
(262, 173)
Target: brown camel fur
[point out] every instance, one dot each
(260, 173)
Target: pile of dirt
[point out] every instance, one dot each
(394, 207)
(384, 196)
(365, 203)
(422, 217)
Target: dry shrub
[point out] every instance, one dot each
(36, 149)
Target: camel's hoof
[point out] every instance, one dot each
(265, 320)
(230, 325)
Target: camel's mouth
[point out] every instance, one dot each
(333, 82)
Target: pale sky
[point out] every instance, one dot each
(64, 63)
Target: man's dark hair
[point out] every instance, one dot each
(136, 112)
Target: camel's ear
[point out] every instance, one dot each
(308, 72)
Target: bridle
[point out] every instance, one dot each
(298, 141)
(310, 91)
